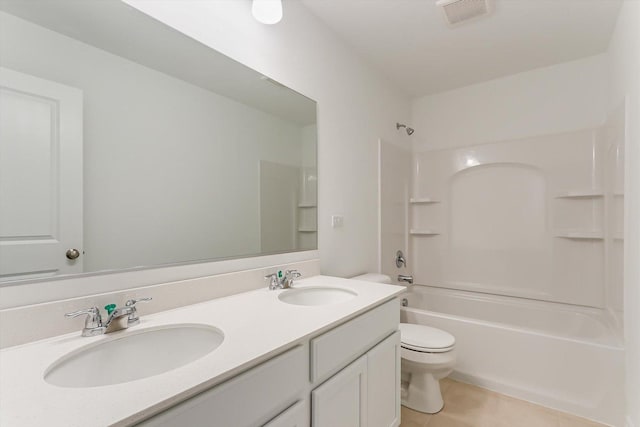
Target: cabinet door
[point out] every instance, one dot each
(342, 400)
(383, 383)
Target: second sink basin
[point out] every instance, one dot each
(316, 295)
(134, 355)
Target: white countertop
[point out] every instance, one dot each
(256, 325)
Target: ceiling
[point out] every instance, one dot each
(411, 43)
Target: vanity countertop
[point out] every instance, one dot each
(256, 325)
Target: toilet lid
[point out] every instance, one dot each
(425, 338)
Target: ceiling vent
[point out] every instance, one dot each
(458, 11)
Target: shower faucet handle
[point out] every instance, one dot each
(400, 260)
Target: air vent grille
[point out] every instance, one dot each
(457, 11)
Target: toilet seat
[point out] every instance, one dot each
(425, 339)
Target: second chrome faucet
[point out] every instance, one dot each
(282, 281)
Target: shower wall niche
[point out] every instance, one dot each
(536, 218)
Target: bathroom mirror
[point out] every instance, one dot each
(126, 144)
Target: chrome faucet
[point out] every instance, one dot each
(282, 281)
(93, 324)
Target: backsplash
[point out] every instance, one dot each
(28, 323)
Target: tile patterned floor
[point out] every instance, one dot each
(470, 406)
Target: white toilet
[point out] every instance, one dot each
(428, 355)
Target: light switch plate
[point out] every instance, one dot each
(337, 221)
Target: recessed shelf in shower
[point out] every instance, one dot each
(581, 234)
(423, 232)
(422, 200)
(580, 194)
(307, 230)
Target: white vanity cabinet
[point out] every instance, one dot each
(367, 391)
(346, 377)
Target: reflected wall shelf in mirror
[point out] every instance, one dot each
(190, 141)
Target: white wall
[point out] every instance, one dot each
(624, 57)
(560, 98)
(157, 157)
(356, 106)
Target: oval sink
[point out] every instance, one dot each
(134, 355)
(320, 295)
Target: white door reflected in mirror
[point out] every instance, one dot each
(41, 150)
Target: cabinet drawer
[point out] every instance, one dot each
(333, 350)
(295, 416)
(248, 400)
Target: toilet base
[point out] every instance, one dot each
(423, 394)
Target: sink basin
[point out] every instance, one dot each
(132, 355)
(320, 295)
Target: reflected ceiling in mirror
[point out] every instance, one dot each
(126, 144)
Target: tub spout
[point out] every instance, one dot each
(403, 278)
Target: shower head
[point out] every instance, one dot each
(409, 130)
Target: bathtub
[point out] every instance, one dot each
(560, 356)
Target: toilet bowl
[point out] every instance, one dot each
(428, 355)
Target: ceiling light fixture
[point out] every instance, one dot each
(267, 11)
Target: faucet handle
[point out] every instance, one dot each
(273, 280)
(133, 302)
(293, 274)
(289, 277)
(133, 318)
(93, 322)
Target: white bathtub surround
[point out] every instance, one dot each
(32, 322)
(521, 218)
(551, 354)
(242, 318)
